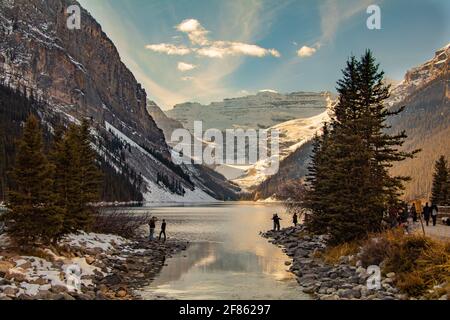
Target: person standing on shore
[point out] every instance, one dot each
(152, 226)
(295, 219)
(434, 214)
(276, 222)
(163, 230)
(427, 213)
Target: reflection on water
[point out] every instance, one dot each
(227, 259)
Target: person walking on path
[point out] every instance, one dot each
(295, 219)
(163, 230)
(152, 226)
(434, 214)
(427, 213)
(414, 212)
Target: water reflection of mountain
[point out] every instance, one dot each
(210, 257)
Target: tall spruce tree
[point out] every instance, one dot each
(440, 187)
(33, 214)
(350, 186)
(77, 177)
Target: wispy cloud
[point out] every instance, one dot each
(202, 46)
(195, 31)
(169, 49)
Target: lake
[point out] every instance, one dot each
(227, 258)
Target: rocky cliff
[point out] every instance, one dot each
(79, 74)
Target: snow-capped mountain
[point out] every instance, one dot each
(293, 135)
(79, 74)
(420, 76)
(263, 110)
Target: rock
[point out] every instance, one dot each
(330, 297)
(121, 294)
(344, 260)
(44, 295)
(90, 260)
(10, 291)
(17, 276)
(5, 266)
(309, 290)
(345, 293)
(58, 289)
(26, 265)
(331, 290)
(287, 263)
(391, 275)
(39, 281)
(444, 297)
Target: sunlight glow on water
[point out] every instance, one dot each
(227, 258)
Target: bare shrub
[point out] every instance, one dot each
(293, 194)
(121, 223)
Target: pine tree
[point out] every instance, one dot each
(77, 178)
(90, 176)
(440, 187)
(350, 186)
(33, 214)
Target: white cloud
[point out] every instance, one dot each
(195, 31)
(202, 46)
(221, 49)
(306, 51)
(183, 66)
(169, 49)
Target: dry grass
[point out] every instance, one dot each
(420, 263)
(331, 255)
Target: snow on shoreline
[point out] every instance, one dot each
(31, 275)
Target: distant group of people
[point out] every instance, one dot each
(406, 216)
(152, 226)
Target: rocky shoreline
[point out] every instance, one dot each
(110, 268)
(346, 280)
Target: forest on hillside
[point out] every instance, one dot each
(15, 106)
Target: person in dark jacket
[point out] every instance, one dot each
(295, 219)
(427, 213)
(152, 226)
(163, 230)
(276, 222)
(434, 214)
(414, 212)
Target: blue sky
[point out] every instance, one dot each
(207, 50)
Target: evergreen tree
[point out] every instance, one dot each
(349, 185)
(77, 177)
(33, 214)
(440, 187)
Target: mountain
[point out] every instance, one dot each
(425, 94)
(426, 120)
(166, 124)
(79, 74)
(292, 136)
(297, 116)
(261, 111)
